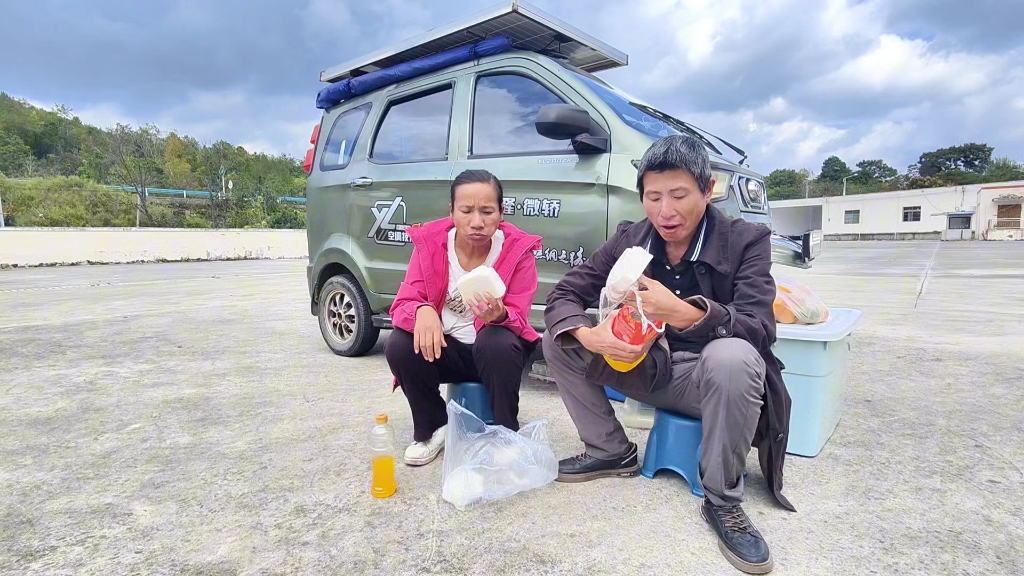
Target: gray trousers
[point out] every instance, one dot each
(722, 386)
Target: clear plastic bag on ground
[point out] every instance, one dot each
(484, 463)
(796, 303)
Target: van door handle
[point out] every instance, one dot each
(361, 182)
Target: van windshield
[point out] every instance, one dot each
(640, 116)
(623, 105)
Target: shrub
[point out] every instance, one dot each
(197, 221)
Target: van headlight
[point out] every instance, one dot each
(752, 192)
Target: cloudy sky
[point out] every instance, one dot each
(790, 81)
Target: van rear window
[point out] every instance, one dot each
(342, 139)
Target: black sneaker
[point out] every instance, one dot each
(583, 468)
(740, 543)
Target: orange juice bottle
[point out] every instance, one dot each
(382, 446)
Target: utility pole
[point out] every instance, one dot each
(807, 188)
(844, 183)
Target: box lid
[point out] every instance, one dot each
(839, 325)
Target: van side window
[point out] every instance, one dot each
(342, 139)
(415, 130)
(504, 109)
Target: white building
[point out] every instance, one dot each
(972, 212)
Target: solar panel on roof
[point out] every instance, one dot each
(529, 28)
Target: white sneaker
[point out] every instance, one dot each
(420, 453)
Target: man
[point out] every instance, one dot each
(710, 282)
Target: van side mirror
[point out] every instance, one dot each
(566, 122)
(562, 121)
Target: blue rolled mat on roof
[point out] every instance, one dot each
(337, 92)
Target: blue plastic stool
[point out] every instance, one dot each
(472, 396)
(613, 395)
(674, 443)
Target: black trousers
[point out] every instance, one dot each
(496, 359)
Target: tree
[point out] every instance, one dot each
(869, 171)
(975, 158)
(136, 153)
(785, 184)
(833, 169)
(15, 156)
(1004, 170)
(972, 158)
(176, 165)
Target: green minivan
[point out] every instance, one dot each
(563, 142)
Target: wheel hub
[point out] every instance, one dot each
(341, 316)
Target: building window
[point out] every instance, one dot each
(851, 217)
(1009, 216)
(911, 213)
(959, 222)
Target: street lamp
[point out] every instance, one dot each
(844, 183)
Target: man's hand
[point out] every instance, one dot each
(660, 304)
(488, 309)
(600, 340)
(428, 334)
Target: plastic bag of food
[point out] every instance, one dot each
(796, 303)
(484, 463)
(629, 324)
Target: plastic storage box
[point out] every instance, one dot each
(815, 357)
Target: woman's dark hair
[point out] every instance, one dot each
(478, 177)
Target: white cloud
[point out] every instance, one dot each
(329, 18)
(258, 123)
(697, 26)
(790, 81)
(841, 19)
(270, 124)
(900, 65)
(105, 115)
(884, 140)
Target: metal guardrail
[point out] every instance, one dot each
(1006, 224)
(172, 192)
(194, 193)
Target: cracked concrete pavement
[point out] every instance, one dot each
(188, 419)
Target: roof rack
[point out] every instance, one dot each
(529, 29)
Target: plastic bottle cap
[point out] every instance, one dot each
(382, 418)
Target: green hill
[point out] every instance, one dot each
(53, 168)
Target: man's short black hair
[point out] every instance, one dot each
(676, 153)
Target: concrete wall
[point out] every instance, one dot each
(60, 246)
(797, 220)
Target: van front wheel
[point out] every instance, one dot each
(345, 317)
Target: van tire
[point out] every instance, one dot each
(344, 317)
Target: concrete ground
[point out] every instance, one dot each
(188, 419)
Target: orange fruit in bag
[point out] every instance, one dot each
(783, 314)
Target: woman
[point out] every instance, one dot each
(439, 338)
